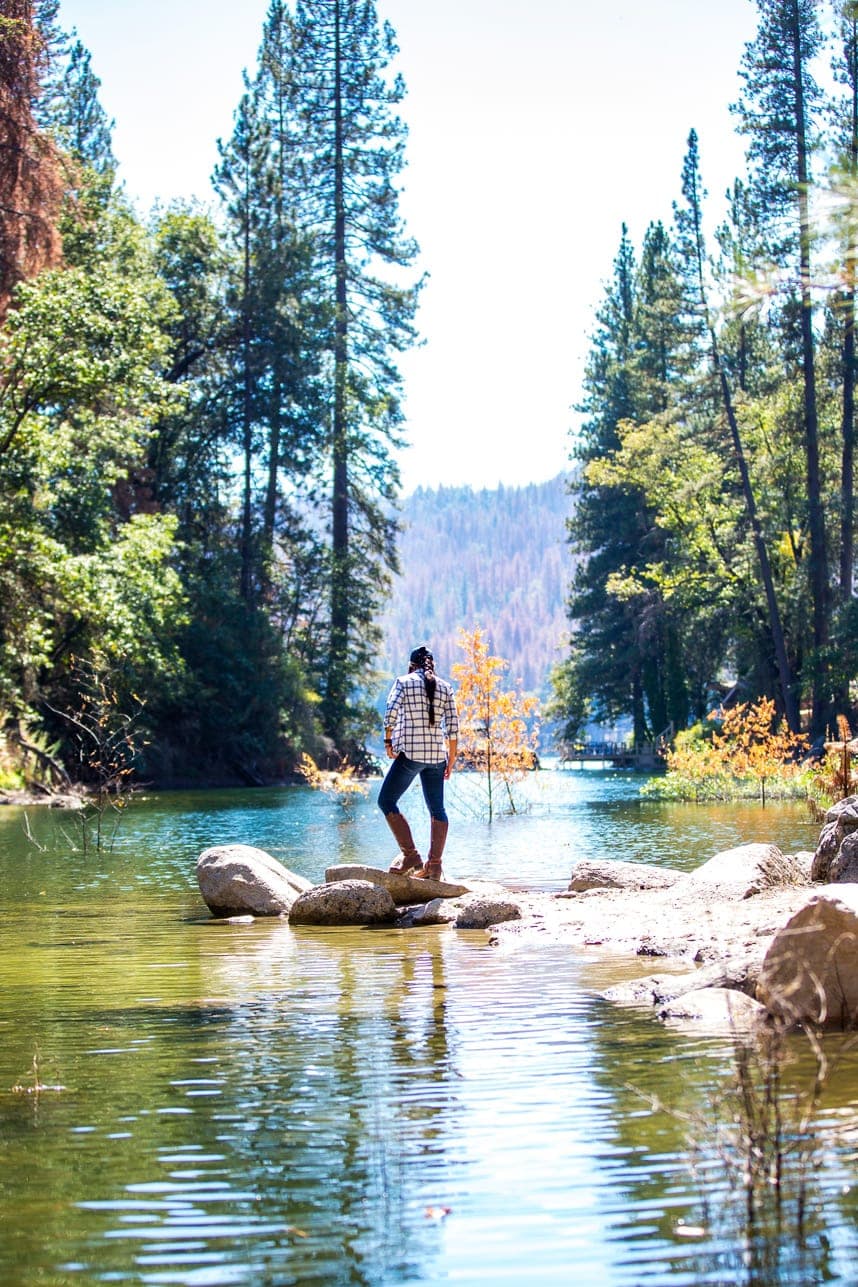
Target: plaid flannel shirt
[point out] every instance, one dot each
(407, 716)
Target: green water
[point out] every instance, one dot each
(192, 1102)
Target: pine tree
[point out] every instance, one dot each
(776, 111)
(79, 122)
(606, 524)
(353, 152)
(629, 628)
(292, 313)
(238, 182)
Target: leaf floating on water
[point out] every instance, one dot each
(437, 1213)
(298, 1233)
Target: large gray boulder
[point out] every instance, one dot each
(836, 856)
(810, 971)
(743, 872)
(235, 880)
(402, 889)
(344, 902)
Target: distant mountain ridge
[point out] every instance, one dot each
(497, 559)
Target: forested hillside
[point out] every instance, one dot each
(495, 559)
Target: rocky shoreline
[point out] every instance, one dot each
(751, 936)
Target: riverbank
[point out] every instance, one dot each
(700, 938)
(697, 928)
(53, 800)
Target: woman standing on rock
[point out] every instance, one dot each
(421, 727)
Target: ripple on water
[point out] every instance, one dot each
(249, 1103)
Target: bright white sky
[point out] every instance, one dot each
(537, 127)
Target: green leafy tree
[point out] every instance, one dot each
(80, 388)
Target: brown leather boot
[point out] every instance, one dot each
(410, 859)
(431, 869)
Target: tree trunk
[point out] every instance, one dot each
(788, 697)
(246, 583)
(790, 706)
(269, 512)
(847, 495)
(337, 665)
(819, 589)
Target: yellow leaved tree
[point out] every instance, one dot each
(340, 784)
(754, 743)
(497, 727)
(743, 749)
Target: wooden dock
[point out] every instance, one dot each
(647, 758)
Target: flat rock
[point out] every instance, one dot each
(345, 902)
(402, 889)
(236, 880)
(610, 873)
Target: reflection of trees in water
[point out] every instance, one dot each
(337, 1083)
(737, 1173)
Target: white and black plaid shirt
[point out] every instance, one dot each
(407, 716)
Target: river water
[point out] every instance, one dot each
(193, 1102)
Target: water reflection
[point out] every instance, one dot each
(251, 1103)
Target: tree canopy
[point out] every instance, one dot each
(198, 410)
(714, 512)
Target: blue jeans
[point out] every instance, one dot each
(402, 773)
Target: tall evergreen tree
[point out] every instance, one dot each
(776, 111)
(353, 153)
(606, 524)
(238, 181)
(80, 124)
(628, 652)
